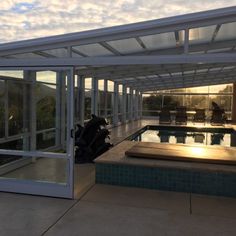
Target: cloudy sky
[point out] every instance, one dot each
(25, 19)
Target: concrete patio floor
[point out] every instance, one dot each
(113, 210)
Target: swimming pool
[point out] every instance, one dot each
(186, 135)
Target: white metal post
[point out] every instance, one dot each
(115, 104)
(94, 98)
(60, 109)
(28, 76)
(31, 76)
(141, 106)
(123, 106)
(70, 129)
(64, 94)
(131, 108)
(105, 94)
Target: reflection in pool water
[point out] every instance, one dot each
(186, 137)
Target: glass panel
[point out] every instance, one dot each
(120, 88)
(46, 76)
(101, 84)
(219, 50)
(59, 52)
(226, 32)
(88, 83)
(203, 89)
(224, 88)
(151, 104)
(159, 41)
(43, 169)
(173, 101)
(101, 103)
(15, 110)
(13, 73)
(126, 45)
(27, 55)
(110, 86)
(224, 102)
(93, 50)
(196, 101)
(201, 35)
(45, 106)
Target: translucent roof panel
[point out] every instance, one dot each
(27, 55)
(58, 52)
(201, 35)
(226, 32)
(126, 45)
(219, 50)
(93, 50)
(159, 41)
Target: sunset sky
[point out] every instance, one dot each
(25, 19)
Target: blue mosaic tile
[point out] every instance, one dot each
(212, 183)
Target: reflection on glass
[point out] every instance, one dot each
(164, 136)
(101, 103)
(217, 138)
(180, 137)
(46, 139)
(126, 45)
(46, 76)
(227, 31)
(201, 35)
(45, 106)
(93, 50)
(42, 169)
(159, 41)
(15, 107)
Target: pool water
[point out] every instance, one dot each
(186, 135)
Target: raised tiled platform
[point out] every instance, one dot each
(113, 167)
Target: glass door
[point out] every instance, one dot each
(36, 131)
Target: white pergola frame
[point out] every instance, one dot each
(145, 70)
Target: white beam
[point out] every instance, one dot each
(122, 60)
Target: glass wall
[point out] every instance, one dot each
(192, 98)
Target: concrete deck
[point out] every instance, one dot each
(109, 210)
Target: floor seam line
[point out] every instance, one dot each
(117, 204)
(78, 200)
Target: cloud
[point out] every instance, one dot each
(24, 19)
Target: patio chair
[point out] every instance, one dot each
(180, 136)
(164, 116)
(181, 115)
(199, 116)
(218, 116)
(164, 136)
(199, 138)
